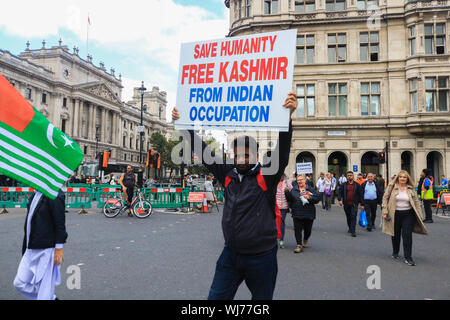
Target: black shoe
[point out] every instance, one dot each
(410, 262)
(369, 229)
(373, 227)
(427, 221)
(130, 214)
(395, 256)
(353, 235)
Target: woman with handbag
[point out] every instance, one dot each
(402, 214)
(302, 200)
(328, 186)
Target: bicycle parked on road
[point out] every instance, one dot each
(140, 207)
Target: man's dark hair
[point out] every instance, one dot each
(349, 172)
(245, 141)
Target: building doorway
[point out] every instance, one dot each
(306, 156)
(369, 163)
(435, 164)
(337, 163)
(407, 163)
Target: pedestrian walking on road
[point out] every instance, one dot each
(250, 217)
(320, 186)
(302, 200)
(42, 249)
(372, 196)
(327, 191)
(402, 215)
(349, 196)
(283, 204)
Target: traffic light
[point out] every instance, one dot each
(382, 157)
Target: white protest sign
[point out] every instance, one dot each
(237, 83)
(304, 168)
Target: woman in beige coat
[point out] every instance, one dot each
(402, 215)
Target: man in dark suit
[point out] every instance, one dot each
(349, 196)
(42, 249)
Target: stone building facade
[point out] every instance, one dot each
(368, 73)
(85, 101)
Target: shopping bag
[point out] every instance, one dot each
(362, 219)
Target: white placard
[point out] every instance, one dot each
(304, 168)
(237, 83)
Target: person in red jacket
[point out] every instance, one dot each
(248, 221)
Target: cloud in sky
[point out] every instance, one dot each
(144, 37)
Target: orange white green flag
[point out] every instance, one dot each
(32, 150)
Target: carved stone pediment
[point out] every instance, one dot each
(101, 90)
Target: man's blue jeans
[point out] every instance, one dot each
(258, 271)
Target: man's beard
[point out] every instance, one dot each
(241, 169)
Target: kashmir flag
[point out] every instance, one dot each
(32, 150)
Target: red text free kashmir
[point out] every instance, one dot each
(273, 68)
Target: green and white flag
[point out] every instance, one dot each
(32, 150)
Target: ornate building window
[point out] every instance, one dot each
(337, 47)
(248, 8)
(28, 93)
(367, 4)
(370, 98)
(369, 46)
(306, 100)
(270, 6)
(305, 49)
(412, 40)
(337, 99)
(435, 38)
(335, 5)
(305, 6)
(413, 95)
(436, 93)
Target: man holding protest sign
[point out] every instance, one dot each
(239, 83)
(248, 222)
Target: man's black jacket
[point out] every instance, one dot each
(380, 192)
(48, 224)
(357, 196)
(248, 221)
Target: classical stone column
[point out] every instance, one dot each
(76, 119)
(91, 122)
(103, 124)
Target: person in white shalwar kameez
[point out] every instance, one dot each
(39, 269)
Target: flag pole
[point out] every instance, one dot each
(87, 40)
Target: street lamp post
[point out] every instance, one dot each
(142, 89)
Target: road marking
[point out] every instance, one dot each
(132, 241)
(80, 264)
(101, 255)
(117, 247)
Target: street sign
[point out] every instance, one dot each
(304, 168)
(140, 129)
(355, 168)
(195, 197)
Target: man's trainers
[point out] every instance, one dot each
(305, 243)
(395, 256)
(298, 249)
(282, 244)
(410, 262)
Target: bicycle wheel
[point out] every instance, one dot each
(142, 209)
(112, 207)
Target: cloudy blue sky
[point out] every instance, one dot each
(139, 39)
